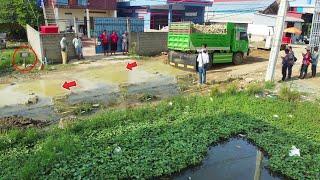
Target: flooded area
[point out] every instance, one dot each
(235, 159)
(97, 82)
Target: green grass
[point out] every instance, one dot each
(163, 139)
(5, 60)
(286, 93)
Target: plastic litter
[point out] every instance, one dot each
(170, 103)
(294, 151)
(117, 149)
(290, 116)
(211, 99)
(276, 116)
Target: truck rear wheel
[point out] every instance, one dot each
(237, 58)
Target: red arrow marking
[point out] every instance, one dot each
(131, 65)
(70, 84)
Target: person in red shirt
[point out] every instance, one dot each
(305, 63)
(114, 42)
(104, 42)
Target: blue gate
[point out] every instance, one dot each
(118, 25)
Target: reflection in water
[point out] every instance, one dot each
(236, 159)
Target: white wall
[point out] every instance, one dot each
(66, 16)
(34, 41)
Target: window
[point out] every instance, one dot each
(243, 36)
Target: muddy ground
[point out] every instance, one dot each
(105, 82)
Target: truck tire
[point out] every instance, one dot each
(237, 58)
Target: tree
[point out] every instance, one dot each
(21, 12)
(15, 13)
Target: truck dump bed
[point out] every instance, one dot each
(186, 36)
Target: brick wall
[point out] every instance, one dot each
(148, 43)
(51, 47)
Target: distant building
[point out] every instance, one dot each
(159, 13)
(63, 12)
(303, 9)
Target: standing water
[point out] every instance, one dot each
(235, 159)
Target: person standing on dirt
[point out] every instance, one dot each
(292, 53)
(104, 42)
(114, 42)
(125, 42)
(287, 64)
(203, 61)
(77, 43)
(305, 63)
(315, 59)
(63, 46)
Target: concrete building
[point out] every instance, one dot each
(159, 13)
(70, 13)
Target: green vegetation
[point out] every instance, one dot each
(254, 88)
(5, 60)
(152, 141)
(15, 14)
(286, 93)
(269, 85)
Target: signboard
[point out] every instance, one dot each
(191, 14)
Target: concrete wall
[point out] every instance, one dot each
(51, 47)
(148, 43)
(34, 41)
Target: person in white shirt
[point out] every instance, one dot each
(77, 43)
(203, 61)
(64, 50)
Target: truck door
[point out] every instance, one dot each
(241, 42)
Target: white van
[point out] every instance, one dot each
(260, 36)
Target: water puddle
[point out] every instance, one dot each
(100, 82)
(235, 159)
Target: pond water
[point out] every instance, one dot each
(235, 159)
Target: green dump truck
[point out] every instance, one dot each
(226, 43)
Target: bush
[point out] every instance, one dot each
(254, 88)
(215, 91)
(269, 85)
(289, 95)
(232, 88)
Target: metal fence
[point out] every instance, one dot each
(119, 25)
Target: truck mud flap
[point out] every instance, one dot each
(182, 60)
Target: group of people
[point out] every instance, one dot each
(77, 44)
(308, 59)
(106, 42)
(112, 41)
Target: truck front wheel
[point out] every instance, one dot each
(237, 58)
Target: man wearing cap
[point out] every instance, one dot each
(305, 63)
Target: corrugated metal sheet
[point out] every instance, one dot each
(118, 25)
(103, 4)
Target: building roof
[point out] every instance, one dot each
(302, 3)
(247, 18)
(236, 6)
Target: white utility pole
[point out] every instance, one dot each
(315, 29)
(88, 23)
(277, 40)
